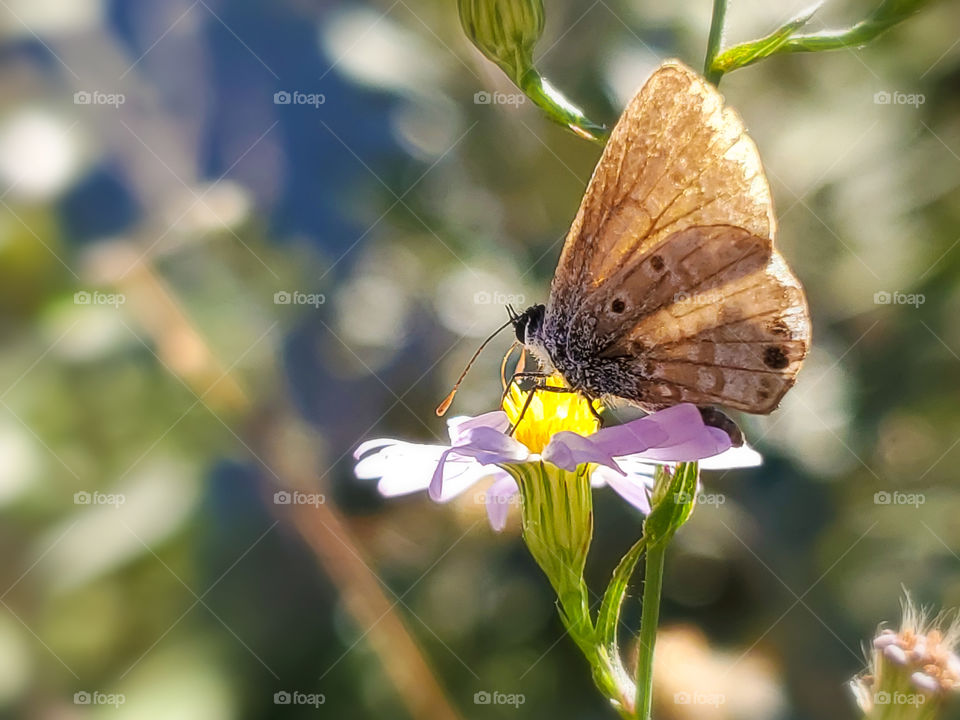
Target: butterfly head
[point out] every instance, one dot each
(528, 323)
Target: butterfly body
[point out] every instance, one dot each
(669, 288)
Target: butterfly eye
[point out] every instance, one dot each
(618, 305)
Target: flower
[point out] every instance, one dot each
(557, 429)
(911, 669)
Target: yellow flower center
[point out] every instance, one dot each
(548, 413)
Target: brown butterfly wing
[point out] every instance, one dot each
(737, 340)
(677, 207)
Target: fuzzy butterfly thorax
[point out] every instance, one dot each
(669, 288)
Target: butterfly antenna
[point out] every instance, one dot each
(448, 400)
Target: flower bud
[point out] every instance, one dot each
(672, 501)
(911, 670)
(505, 31)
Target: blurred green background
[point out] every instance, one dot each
(209, 296)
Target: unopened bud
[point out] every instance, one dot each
(505, 31)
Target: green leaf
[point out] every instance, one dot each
(608, 617)
(755, 50)
(786, 40)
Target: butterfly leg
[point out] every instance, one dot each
(513, 379)
(523, 411)
(542, 386)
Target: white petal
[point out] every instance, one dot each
(394, 455)
(459, 426)
(741, 457)
(375, 444)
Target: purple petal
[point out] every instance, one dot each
(568, 449)
(486, 445)
(925, 682)
(708, 442)
(635, 489)
(498, 498)
(676, 434)
(896, 654)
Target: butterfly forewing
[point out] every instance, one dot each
(668, 288)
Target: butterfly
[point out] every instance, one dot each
(669, 288)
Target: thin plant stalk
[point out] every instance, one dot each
(650, 619)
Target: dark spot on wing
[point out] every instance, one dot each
(779, 327)
(774, 357)
(656, 262)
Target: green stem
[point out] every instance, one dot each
(559, 109)
(714, 40)
(650, 618)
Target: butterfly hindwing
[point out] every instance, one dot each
(668, 288)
